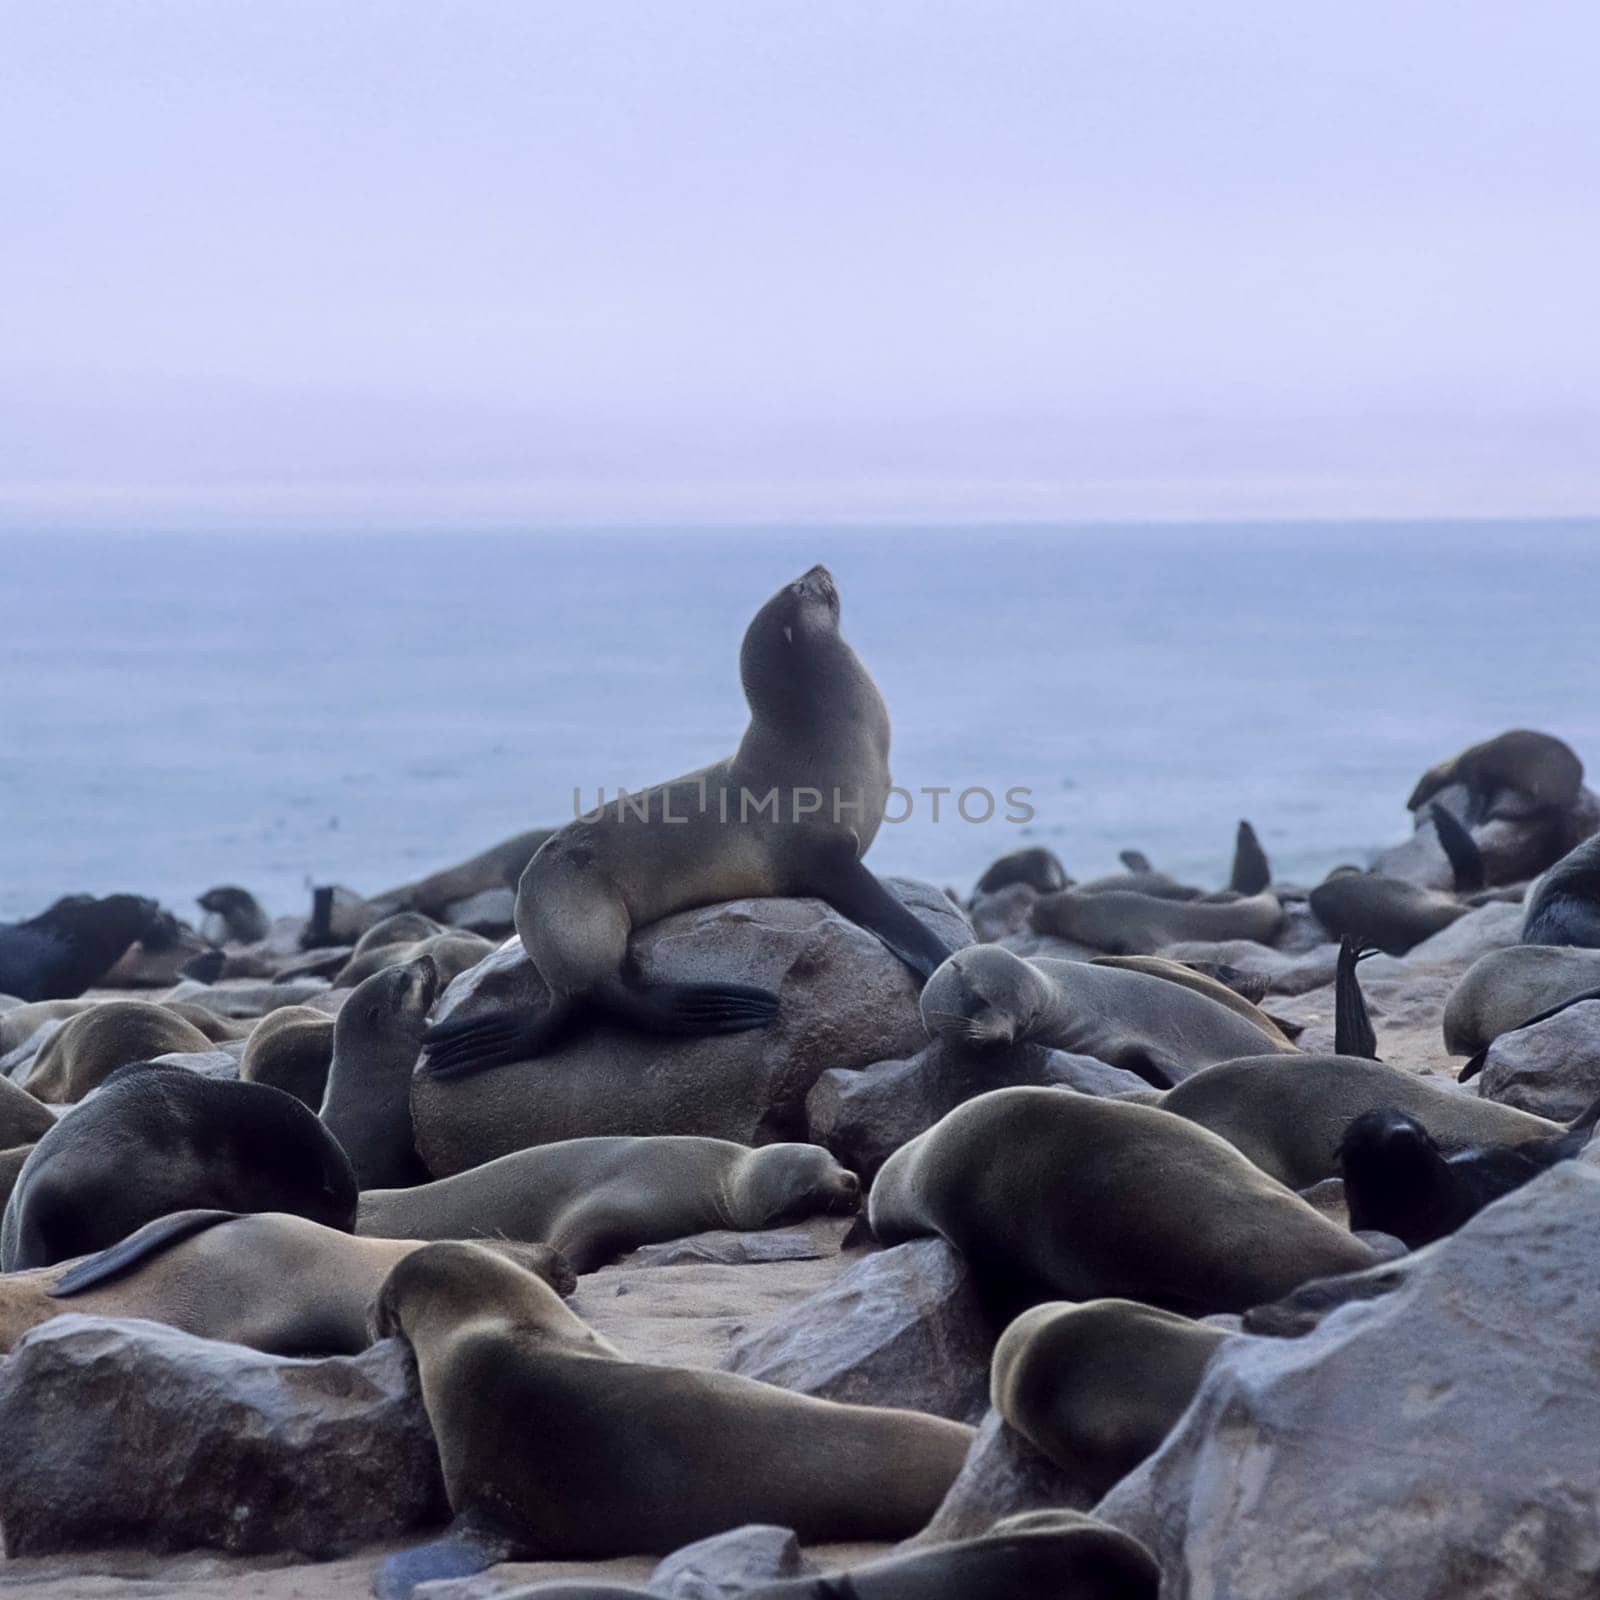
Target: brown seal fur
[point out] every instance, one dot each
(291, 1048)
(596, 1199)
(23, 1117)
(1541, 772)
(1180, 972)
(1140, 924)
(1058, 1195)
(1504, 990)
(92, 1045)
(272, 1281)
(650, 1457)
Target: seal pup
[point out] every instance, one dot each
(1564, 904)
(1097, 1387)
(233, 916)
(292, 1049)
(1131, 924)
(1288, 1114)
(72, 946)
(650, 1457)
(91, 1046)
(818, 726)
(1055, 1195)
(270, 1281)
(1397, 1179)
(1063, 1555)
(1512, 775)
(377, 1038)
(154, 1139)
(596, 1199)
(986, 998)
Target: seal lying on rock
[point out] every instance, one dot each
(72, 946)
(596, 1199)
(818, 728)
(1056, 1195)
(649, 1457)
(156, 1139)
(1097, 1387)
(271, 1281)
(986, 997)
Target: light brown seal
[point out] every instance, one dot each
(92, 1045)
(1129, 924)
(292, 1049)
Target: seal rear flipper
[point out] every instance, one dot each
(454, 1048)
(687, 1010)
(136, 1249)
(469, 1545)
(1466, 859)
(1251, 872)
(1352, 1027)
(853, 891)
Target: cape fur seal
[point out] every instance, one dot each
(650, 1457)
(1131, 924)
(90, 1046)
(1398, 1180)
(1041, 1555)
(1251, 872)
(1056, 1195)
(1288, 1114)
(987, 998)
(818, 728)
(1564, 904)
(1098, 1387)
(377, 1038)
(451, 952)
(291, 1049)
(1511, 775)
(271, 1281)
(1190, 976)
(498, 867)
(1034, 866)
(72, 946)
(156, 1139)
(1504, 990)
(596, 1199)
(23, 1118)
(233, 916)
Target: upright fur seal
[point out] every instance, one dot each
(69, 948)
(156, 1139)
(596, 1199)
(649, 1457)
(1289, 1113)
(1511, 775)
(271, 1281)
(1056, 1195)
(986, 997)
(93, 1044)
(1131, 924)
(377, 1038)
(1097, 1387)
(233, 916)
(816, 750)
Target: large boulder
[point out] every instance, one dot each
(730, 1563)
(129, 1432)
(1437, 1443)
(845, 1001)
(864, 1115)
(1552, 1068)
(903, 1327)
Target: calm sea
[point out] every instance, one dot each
(280, 710)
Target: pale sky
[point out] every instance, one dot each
(379, 262)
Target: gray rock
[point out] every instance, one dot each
(729, 1563)
(490, 912)
(805, 1241)
(128, 1432)
(1487, 927)
(218, 1063)
(844, 1001)
(1003, 1476)
(1551, 1069)
(1437, 1443)
(903, 1327)
(863, 1116)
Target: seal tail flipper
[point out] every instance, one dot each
(1352, 1027)
(853, 891)
(1466, 859)
(687, 1010)
(458, 1046)
(140, 1246)
(1251, 872)
(468, 1546)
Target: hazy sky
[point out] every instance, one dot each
(459, 262)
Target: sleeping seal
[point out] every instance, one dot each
(1055, 1195)
(790, 813)
(1139, 924)
(987, 998)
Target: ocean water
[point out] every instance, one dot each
(279, 710)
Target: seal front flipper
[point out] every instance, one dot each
(1353, 1034)
(1466, 859)
(1135, 861)
(855, 893)
(469, 1545)
(1251, 873)
(688, 1010)
(461, 1045)
(137, 1248)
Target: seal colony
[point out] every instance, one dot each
(1106, 1110)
